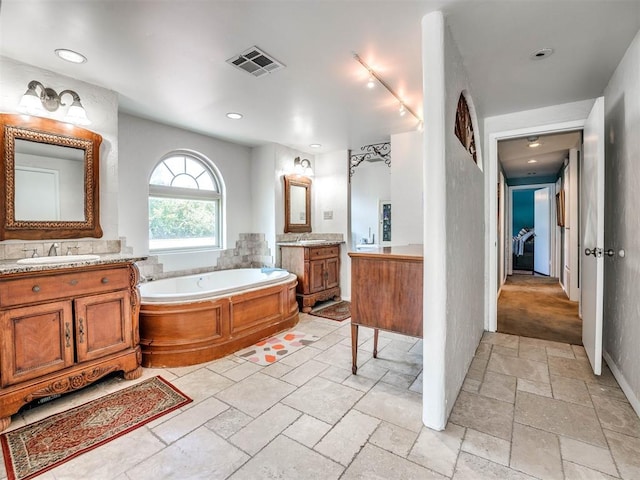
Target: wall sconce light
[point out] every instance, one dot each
(49, 100)
(302, 167)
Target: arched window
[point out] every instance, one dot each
(186, 195)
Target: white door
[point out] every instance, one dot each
(592, 229)
(541, 222)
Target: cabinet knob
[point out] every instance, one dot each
(104, 280)
(35, 289)
(73, 282)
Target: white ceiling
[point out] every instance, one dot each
(167, 59)
(549, 156)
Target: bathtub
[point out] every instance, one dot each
(198, 318)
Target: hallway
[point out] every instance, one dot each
(537, 307)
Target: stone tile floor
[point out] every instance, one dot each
(528, 409)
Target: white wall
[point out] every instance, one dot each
(407, 202)
(264, 178)
(622, 228)
(453, 228)
(331, 194)
(142, 144)
(102, 109)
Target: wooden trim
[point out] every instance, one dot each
(298, 181)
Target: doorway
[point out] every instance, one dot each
(532, 300)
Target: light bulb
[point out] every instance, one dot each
(371, 83)
(402, 110)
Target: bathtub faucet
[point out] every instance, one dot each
(53, 250)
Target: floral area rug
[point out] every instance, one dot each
(273, 349)
(337, 311)
(33, 449)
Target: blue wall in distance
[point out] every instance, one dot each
(516, 182)
(522, 210)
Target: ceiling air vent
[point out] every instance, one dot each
(256, 62)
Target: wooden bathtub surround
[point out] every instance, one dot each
(317, 269)
(188, 333)
(64, 328)
(386, 293)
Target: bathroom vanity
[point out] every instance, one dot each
(63, 326)
(317, 265)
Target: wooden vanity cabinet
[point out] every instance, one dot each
(318, 271)
(61, 330)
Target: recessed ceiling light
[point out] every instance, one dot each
(542, 53)
(533, 160)
(70, 55)
(315, 145)
(533, 142)
(234, 115)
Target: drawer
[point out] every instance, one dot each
(324, 252)
(40, 288)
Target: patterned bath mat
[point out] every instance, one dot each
(33, 449)
(273, 349)
(337, 311)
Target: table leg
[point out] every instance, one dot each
(354, 348)
(375, 343)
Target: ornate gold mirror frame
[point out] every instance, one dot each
(51, 132)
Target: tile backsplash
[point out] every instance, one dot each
(17, 250)
(251, 251)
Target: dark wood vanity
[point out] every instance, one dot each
(386, 292)
(64, 328)
(318, 269)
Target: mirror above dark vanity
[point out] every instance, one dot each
(49, 172)
(297, 204)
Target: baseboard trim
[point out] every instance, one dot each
(626, 388)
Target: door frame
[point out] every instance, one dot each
(492, 241)
(552, 221)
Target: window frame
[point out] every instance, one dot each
(181, 193)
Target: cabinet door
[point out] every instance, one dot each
(316, 276)
(332, 275)
(35, 341)
(103, 324)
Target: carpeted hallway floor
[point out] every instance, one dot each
(537, 307)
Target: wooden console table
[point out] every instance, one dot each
(386, 293)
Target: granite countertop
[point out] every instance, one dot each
(12, 266)
(310, 243)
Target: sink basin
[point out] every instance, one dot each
(366, 246)
(57, 259)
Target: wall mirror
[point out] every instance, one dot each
(369, 196)
(297, 204)
(50, 174)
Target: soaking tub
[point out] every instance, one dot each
(198, 318)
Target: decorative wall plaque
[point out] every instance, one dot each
(464, 127)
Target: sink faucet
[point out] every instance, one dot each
(53, 250)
